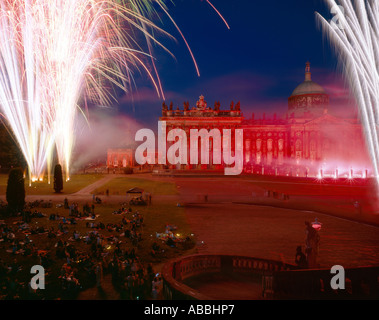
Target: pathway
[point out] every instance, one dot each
(92, 187)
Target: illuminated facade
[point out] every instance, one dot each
(306, 141)
(309, 139)
(120, 158)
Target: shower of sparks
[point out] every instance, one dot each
(55, 53)
(354, 33)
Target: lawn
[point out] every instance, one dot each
(155, 219)
(76, 183)
(120, 185)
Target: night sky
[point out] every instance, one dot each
(259, 61)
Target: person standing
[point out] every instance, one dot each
(312, 245)
(300, 258)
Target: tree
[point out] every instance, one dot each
(58, 178)
(15, 193)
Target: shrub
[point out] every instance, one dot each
(15, 193)
(58, 178)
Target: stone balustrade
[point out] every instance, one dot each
(201, 113)
(278, 280)
(174, 272)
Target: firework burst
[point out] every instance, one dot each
(354, 33)
(55, 52)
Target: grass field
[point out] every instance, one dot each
(120, 185)
(155, 219)
(76, 183)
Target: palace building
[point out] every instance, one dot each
(306, 141)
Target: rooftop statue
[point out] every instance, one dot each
(201, 104)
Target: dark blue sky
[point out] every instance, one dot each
(259, 61)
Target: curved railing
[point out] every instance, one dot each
(279, 280)
(176, 271)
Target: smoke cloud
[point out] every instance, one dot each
(103, 129)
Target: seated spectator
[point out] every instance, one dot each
(154, 249)
(300, 258)
(27, 240)
(170, 242)
(76, 235)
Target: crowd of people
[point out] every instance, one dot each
(82, 258)
(12, 285)
(134, 281)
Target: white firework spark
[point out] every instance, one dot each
(355, 39)
(53, 52)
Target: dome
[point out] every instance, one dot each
(308, 97)
(308, 87)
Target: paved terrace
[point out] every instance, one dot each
(239, 219)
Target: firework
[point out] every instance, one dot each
(218, 12)
(53, 53)
(354, 33)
